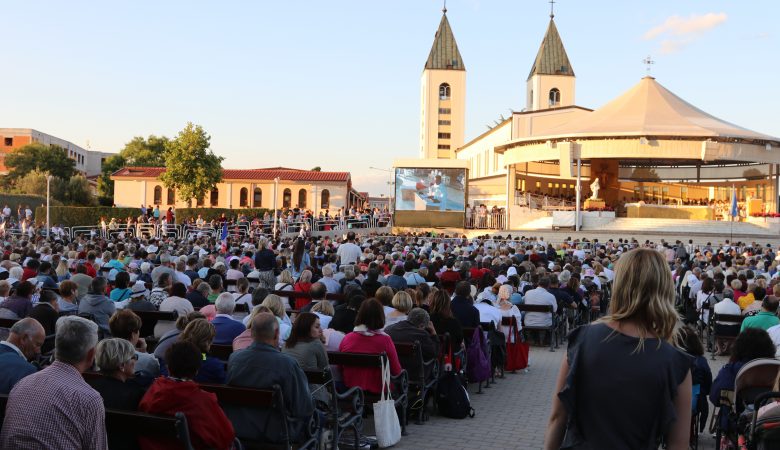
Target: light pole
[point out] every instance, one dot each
(48, 195)
(276, 194)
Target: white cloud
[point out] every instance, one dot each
(678, 26)
(679, 32)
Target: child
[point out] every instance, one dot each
(773, 407)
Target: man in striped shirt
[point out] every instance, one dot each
(56, 408)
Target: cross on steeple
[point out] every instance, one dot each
(444, 9)
(552, 11)
(648, 62)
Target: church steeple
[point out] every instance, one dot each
(550, 83)
(443, 99)
(444, 53)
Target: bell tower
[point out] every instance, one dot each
(551, 81)
(442, 96)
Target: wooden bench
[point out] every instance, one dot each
(344, 409)
(7, 323)
(423, 375)
(714, 336)
(264, 399)
(137, 424)
(242, 308)
(230, 285)
(552, 329)
(150, 318)
(399, 383)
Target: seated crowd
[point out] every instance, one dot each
(279, 306)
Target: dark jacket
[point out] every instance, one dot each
(404, 331)
(99, 306)
(197, 299)
(46, 315)
(227, 330)
(449, 325)
(261, 366)
(21, 306)
(15, 368)
(466, 313)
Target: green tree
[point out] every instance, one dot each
(316, 169)
(78, 192)
(105, 185)
(34, 183)
(191, 167)
(148, 152)
(44, 158)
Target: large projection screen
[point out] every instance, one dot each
(430, 197)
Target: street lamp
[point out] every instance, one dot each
(48, 195)
(276, 194)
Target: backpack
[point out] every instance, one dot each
(478, 367)
(452, 399)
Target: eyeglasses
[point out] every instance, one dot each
(134, 357)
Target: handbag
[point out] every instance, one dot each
(386, 424)
(517, 351)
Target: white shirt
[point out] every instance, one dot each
(242, 298)
(348, 253)
(324, 320)
(181, 277)
(774, 334)
(181, 305)
(539, 296)
(233, 274)
(489, 313)
(727, 306)
(701, 297)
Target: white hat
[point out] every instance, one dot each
(139, 289)
(511, 271)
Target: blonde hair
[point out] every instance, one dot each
(643, 294)
(255, 311)
(402, 302)
(274, 303)
(286, 277)
(324, 307)
(200, 332)
(504, 292)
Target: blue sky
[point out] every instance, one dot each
(336, 84)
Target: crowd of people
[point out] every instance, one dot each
(83, 296)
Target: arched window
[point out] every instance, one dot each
(214, 197)
(243, 197)
(444, 91)
(286, 198)
(171, 196)
(157, 195)
(201, 200)
(257, 200)
(302, 198)
(555, 97)
(325, 199)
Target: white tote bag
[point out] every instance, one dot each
(386, 424)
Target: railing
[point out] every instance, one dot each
(543, 202)
(490, 221)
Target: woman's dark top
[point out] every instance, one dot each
(212, 370)
(343, 320)
(448, 325)
(140, 305)
(616, 397)
(197, 299)
(117, 394)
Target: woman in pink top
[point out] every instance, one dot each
(368, 337)
(245, 339)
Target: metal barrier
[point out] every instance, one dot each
(188, 230)
(490, 221)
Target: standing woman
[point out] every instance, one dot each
(624, 384)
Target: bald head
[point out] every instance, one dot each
(28, 334)
(265, 329)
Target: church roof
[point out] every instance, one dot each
(244, 174)
(649, 109)
(444, 52)
(552, 58)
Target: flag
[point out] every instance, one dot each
(734, 210)
(223, 237)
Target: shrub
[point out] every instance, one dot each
(70, 216)
(14, 200)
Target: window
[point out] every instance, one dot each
(243, 197)
(444, 135)
(157, 195)
(214, 197)
(444, 146)
(445, 110)
(444, 91)
(555, 97)
(201, 200)
(286, 198)
(302, 198)
(9, 141)
(445, 122)
(325, 199)
(171, 196)
(257, 200)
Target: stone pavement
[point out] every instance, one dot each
(511, 414)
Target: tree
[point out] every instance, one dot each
(105, 184)
(78, 192)
(44, 158)
(191, 167)
(149, 152)
(316, 169)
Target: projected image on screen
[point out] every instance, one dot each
(430, 189)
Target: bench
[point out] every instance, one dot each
(423, 375)
(221, 351)
(230, 285)
(714, 336)
(137, 423)
(399, 383)
(150, 318)
(552, 329)
(242, 308)
(7, 323)
(344, 410)
(263, 399)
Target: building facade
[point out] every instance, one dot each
(88, 162)
(252, 188)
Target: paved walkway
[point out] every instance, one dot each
(511, 414)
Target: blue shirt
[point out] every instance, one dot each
(15, 367)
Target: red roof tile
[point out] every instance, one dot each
(243, 174)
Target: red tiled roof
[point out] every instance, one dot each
(243, 174)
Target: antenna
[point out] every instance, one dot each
(552, 9)
(648, 62)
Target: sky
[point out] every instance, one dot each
(336, 84)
